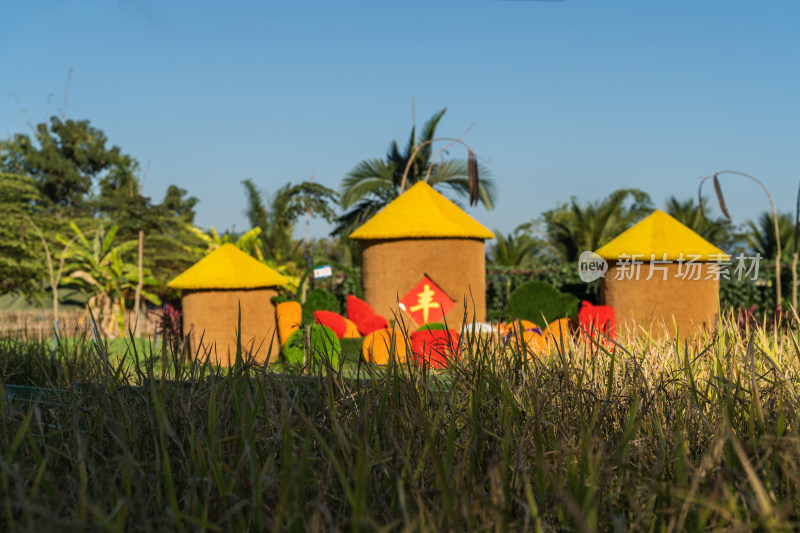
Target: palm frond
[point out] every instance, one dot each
(256, 213)
(357, 215)
(369, 177)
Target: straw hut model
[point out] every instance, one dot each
(683, 286)
(213, 290)
(423, 234)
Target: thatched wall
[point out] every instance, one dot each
(391, 268)
(213, 314)
(691, 304)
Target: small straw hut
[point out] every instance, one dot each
(421, 234)
(662, 276)
(214, 288)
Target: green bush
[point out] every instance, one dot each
(501, 282)
(734, 294)
(536, 299)
(319, 299)
(322, 345)
(432, 326)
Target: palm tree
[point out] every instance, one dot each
(267, 213)
(373, 183)
(718, 231)
(516, 249)
(574, 228)
(278, 215)
(761, 235)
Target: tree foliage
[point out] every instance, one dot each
(67, 171)
(66, 160)
(573, 228)
(516, 249)
(96, 266)
(22, 266)
(760, 234)
(277, 215)
(177, 205)
(373, 183)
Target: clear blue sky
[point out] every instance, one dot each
(567, 98)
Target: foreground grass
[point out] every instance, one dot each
(666, 437)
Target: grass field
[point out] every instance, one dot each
(658, 437)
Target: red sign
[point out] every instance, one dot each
(426, 302)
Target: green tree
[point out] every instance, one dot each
(66, 159)
(266, 213)
(516, 249)
(278, 217)
(177, 205)
(373, 183)
(22, 262)
(169, 244)
(137, 217)
(573, 228)
(760, 234)
(718, 231)
(80, 178)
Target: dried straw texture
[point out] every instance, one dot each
(690, 305)
(424, 213)
(214, 316)
(660, 234)
(391, 268)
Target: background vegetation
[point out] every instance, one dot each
(143, 436)
(67, 181)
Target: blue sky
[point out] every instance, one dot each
(570, 98)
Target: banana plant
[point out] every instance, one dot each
(97, 267)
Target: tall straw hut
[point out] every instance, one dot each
(421, 234)
(662, 276)
(214, 288)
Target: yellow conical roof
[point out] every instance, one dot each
(421, 212)
(227, 267)
(661, 234)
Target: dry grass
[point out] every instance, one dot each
(662, 437)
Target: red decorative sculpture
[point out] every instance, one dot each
(597, 320)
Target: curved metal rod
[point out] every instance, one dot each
(778, 295)
(452, 140)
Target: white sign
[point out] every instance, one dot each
(323, 272)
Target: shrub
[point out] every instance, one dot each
(318, 299)
(322, 345)
(432, 326)
(534, 299)
(501, 282)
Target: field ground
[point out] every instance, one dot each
(642, 436)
